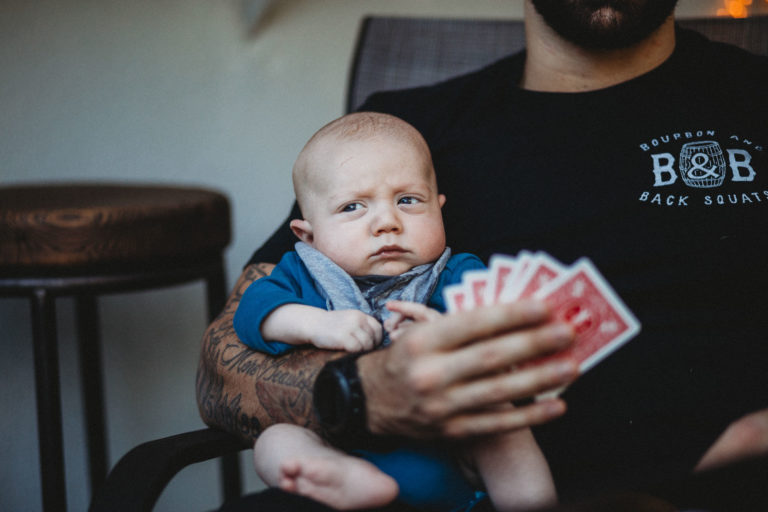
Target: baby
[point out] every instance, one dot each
(372, 254)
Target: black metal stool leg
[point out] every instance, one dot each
(48, 401)
(216, 289)
(231, 484)
(92, 383)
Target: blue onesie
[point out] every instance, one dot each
(428, 477)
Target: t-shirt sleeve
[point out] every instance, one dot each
(261, 298)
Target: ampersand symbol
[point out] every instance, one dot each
(698, 171)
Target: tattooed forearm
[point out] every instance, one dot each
(284, 386)
(275, 370)
(218, 409)
(243, 391)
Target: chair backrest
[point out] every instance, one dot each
(396, 53)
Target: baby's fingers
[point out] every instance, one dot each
(413, 310)
(375, 332)
(391, 323)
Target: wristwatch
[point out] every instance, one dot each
(339, 400)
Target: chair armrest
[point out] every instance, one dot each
(138, 478)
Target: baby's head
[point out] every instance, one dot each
(366, 187)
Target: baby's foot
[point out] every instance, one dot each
(345, 483)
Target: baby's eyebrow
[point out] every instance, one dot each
(347, 195)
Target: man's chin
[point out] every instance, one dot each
(604, 25)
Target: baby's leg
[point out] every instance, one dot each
(297, 460)
(514, 471)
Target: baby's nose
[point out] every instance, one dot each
(387, 221)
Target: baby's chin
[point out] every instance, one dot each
(386, 268)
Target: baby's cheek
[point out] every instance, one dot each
(433, 243)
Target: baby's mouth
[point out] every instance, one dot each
(389, 251)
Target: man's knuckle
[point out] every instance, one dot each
(435, 409)
(419, 383)
(490, 356)
(497, 391)
(457, 428)
(423, 379)
(411, 345)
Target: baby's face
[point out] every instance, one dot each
(376, 210)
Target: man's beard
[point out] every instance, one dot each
(604, 24)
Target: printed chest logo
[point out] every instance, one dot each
(702, 165)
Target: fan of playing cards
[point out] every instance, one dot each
(577, 294)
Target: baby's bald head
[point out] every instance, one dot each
(320, 154)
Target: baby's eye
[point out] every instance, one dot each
(351, 207)
(408, 200)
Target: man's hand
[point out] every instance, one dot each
(446, 377)
(442, 378)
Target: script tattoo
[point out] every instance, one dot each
(287, 381)
(216, 405)
(282, 385)
(221, 410)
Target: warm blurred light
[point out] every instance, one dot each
(735, 8)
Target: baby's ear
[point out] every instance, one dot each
(303, 230)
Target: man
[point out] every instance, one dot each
(615, 137)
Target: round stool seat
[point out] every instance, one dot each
(70, 226)
(82, 241)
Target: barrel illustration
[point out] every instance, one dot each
(702, 164)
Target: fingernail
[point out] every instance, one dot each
(535, 308)
(563, 334)
(554, 407)
(566, 370)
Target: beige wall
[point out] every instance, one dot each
(168, 91)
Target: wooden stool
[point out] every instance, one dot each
(83, 240)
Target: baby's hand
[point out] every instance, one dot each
(346, 329)
(405, 313)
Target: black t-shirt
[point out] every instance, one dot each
(663, 182)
